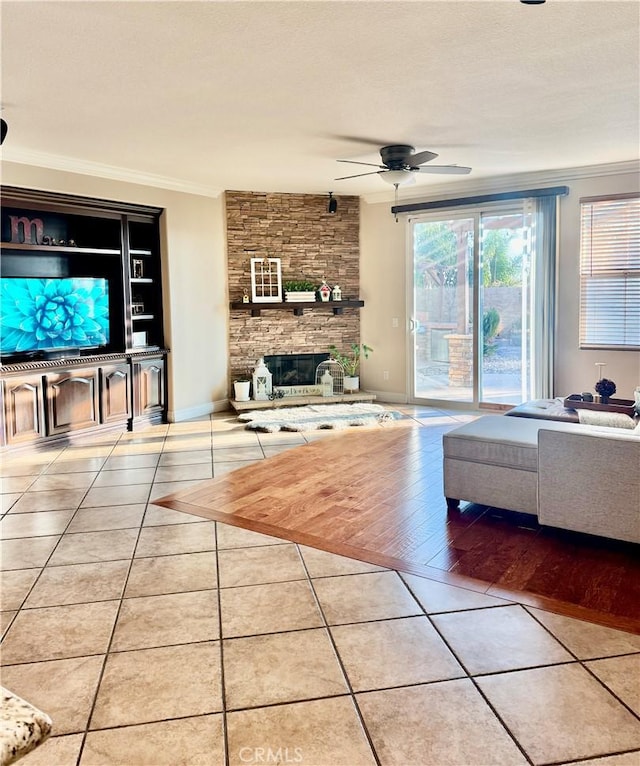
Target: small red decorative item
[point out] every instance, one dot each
(325, 291)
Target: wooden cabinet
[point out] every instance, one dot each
(23, 410)
(149, 401)
(72, 401)
(87, 275)
(56, 242)
(115, 393)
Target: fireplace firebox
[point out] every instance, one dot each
(294, 369)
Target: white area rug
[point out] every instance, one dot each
(314, 416)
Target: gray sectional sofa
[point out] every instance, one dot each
(573, 476)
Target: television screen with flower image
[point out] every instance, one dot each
(53, 314)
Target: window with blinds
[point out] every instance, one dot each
(610, 272)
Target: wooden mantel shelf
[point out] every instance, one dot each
(298, 308)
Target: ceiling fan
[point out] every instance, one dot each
(400, 165)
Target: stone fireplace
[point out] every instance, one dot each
(311, 243)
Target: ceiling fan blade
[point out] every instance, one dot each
(420, 157)
(355, 162)
(377, 142)
(458, 170)
(358, 175)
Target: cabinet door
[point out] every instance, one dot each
(149, 398)
(115, 393)
(23, 409)
(72, 401)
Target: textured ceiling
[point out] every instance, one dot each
(266, 96)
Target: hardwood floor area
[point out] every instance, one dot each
(375, 494)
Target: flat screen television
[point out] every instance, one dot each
(53, 315)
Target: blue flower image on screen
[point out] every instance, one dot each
(50, 314)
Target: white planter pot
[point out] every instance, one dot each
(241, 390)
(351, 383)
(300, 297)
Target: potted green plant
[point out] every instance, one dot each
(350, 363)
(299, 291)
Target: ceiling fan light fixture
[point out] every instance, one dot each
(397, 177)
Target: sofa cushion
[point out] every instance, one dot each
(547, 409)
(588, 481)
(498, 440)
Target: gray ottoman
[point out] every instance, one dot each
(494, 461)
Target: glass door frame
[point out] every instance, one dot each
(474, 213)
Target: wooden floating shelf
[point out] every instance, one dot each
(297, 308)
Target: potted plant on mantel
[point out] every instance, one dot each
(299, 291)
(350, 363)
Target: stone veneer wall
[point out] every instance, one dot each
(312, 243)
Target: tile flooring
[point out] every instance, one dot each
(153, 637)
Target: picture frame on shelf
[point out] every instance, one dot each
(266, 280)
(139, 339)
(137, 268)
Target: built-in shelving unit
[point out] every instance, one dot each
(48, 388)
(337, 307)
(59, 249)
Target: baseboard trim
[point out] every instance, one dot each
(198, 411)
(388, 396)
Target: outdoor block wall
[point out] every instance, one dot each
(311, 243)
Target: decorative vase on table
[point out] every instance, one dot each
(606, 389)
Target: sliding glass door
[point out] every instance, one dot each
(442, 314)
(471, 306)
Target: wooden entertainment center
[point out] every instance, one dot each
(56, 380)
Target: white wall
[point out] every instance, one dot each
(383, 289)
(194, 279)
(383, 283)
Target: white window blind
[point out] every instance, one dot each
(610, 273)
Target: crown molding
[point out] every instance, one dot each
(467, 186)
(100, 170)
(513, 182)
